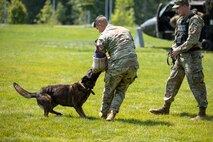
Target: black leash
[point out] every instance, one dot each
(169, 55)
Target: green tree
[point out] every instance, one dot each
(84, 9)
(1, 11)
(66, 13)
(60, 12)
(124, 13)
(17, 12)
(33, 9)
(46, 13)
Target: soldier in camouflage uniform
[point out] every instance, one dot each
(122, 64)
(188, 60)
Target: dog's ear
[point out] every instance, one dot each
(89, 73)
(84, 79)
(87, 82)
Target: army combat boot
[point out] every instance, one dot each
(201, 113)
(164, 110)
(111, 116)
(102, 115)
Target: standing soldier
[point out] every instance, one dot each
(122, 64)
(188, 60)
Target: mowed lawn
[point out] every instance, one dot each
(36, 55)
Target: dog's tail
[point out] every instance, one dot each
(24, 92)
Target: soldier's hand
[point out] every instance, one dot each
(175, 53)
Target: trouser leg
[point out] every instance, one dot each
(198, 88)
(106, 102)
(120, 91)
(109, 92)
(195, 78)
(174, 82)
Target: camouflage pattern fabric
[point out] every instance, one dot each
(115, 89)
(118, 42)
(188, 63)
(122, 65)
(196, 24)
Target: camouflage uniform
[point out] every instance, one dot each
(122, 65)
(188, 63)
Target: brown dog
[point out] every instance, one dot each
(73, 95)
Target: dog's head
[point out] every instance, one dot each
(90, 79)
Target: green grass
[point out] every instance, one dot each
(36, 56)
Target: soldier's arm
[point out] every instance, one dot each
(101, 43)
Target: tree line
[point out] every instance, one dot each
(75, 12)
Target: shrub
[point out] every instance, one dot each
(17, 12)
(47, 14)
(124, 13)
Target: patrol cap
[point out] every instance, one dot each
(178, 3)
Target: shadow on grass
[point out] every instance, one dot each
(133, 121)
(137, 121)
(186, 114)
(146, 122)
(92, 118)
